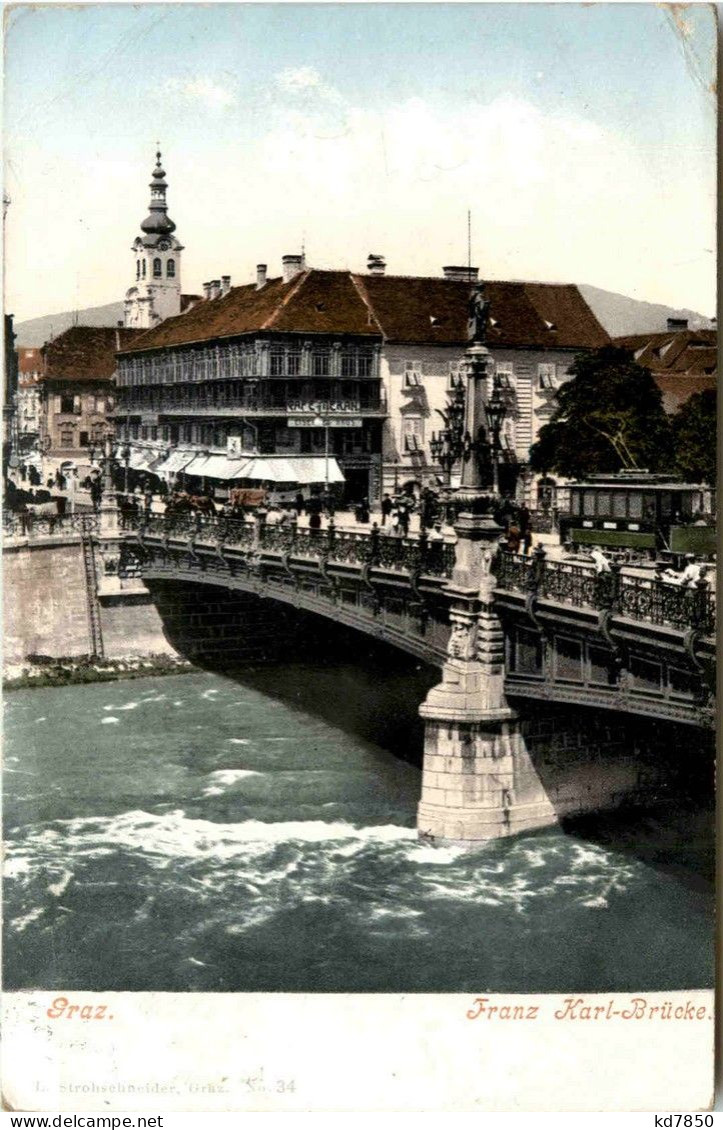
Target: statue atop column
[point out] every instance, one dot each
(479, 315)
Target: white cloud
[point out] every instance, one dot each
(203, 89)
(553, 197)
(305, 82)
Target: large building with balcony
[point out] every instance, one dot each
(352, 367)
(286, 367)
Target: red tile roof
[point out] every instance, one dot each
(85, 353)
(677, 389)
(435, 310)
(681, 361)
(30, 359)
(313, 302)
(399, 308)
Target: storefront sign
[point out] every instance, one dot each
(321, 422)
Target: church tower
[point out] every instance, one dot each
(156, 292)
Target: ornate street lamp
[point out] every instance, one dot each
(495, 410)
(447, 445)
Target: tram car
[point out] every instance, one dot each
(639, 511)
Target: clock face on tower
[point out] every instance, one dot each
(164, 245)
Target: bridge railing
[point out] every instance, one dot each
(418, 554)
(27, 524)
(639, 598)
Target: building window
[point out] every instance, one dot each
(171, 268)
(507, 436)
(144, 268)
(320, 365)
(505, 374)
(67, 403)
(456, 375)
(138, 268)
(364, 365)
(97, 431)
(277, 364)
(157, 268)
(412, 374)
(144, 432)
(154, 433)
(66, 437)
(293, 364)
(546, 373)
(413, 433)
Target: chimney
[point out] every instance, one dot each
(292, 265)
(461, 274)
(207, 290)
(225, 284)
(260, 276)
(376, 264)
(117, 338)
(675, 325)
(215, 288)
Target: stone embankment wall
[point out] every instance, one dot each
(45, 603)
(45, 593)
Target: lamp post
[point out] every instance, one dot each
(447, 445)
(495, 410)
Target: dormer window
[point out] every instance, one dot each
(171, 268)
(157, 268)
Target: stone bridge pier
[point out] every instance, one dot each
(490, 770)
(478, 781)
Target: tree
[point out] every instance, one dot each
(694, 437)
(609, 417)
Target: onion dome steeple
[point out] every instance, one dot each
(157, 223)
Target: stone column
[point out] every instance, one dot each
(478, 781)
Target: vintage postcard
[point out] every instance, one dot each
(359, 471)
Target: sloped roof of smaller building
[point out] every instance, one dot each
(30, 360)
(85, 353)
(676, 388)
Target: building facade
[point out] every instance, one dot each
(78, 395)
(356, 366)
(285, 367)
(535, 331)
(10, 395)
(30, 395)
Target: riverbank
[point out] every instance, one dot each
(46, 671)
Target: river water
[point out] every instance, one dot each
(256, 832)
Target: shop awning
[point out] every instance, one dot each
(140, 458)
(304, 471)
(175, 462)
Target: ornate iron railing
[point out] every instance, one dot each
(27, 524)
(419, 554)
(638, 598)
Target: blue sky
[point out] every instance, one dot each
(582, 137)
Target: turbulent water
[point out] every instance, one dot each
(202, 832)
